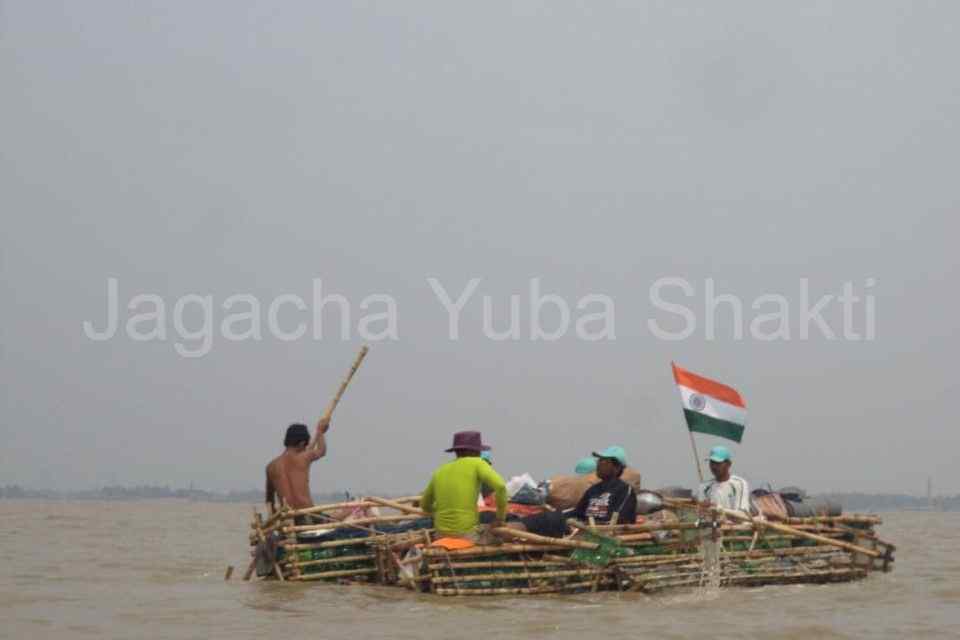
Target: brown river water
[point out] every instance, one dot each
(155, 569)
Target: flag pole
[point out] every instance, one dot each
(696, 456)
(693, 443)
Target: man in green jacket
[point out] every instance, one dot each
(451, 496)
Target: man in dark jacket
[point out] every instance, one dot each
(611, 495)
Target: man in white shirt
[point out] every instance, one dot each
(725, 490)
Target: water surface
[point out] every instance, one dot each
(155, 569)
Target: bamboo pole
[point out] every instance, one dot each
(579, 526)
(639, 532)
(286, 520)
(526, 568)
(248, 574)
(773, 554)
(826, 528)
(644, 528)
(270, 521)
(493, 550)
(633, 539)
(263, 540)
(340, 524)
(332, 506)
(697, 563)
(399, 507)
(323, 561)
(803, 534)
(847, 519)
(696, 456)
(347, 523)
(532, 537)
(613, 522)
(389, 562)
(567, 573)
(549, 557)
(499, 564)
(335, 574)
(346, 381)
(378, 562)
(400, 539)
(436, 579)
(308, 546)
(515, 590)
(774, 538)
(405, 499)
(638, 537)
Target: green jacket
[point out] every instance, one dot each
(452, 494)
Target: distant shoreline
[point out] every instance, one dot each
(851, 502)
(121, 494)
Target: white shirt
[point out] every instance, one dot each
(733, 494)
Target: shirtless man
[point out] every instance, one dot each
(289, 473)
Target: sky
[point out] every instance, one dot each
(589, 151)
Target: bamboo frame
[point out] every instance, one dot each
(847, 519)
(812, 536)
(329, 526)
(532, 537)
(294, 568)
(528, 575)
(540, 564)
(257, 520)
(570, 586)
(748, 555)
(399, 507)
(335, 574)
(333, 506)
(500, 564)
(493, 550)
(307, 546)
(323, 561)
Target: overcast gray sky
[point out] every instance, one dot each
(251, 147)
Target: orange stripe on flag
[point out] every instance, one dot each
(707, 387)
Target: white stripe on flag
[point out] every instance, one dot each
(713, 407)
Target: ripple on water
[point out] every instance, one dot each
(948, 595)
(165, 572)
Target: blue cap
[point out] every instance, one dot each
(720, 454)
(615, 452)
(586, 466)
(485, 455)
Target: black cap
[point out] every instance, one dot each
(296, 434)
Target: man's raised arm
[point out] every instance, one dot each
(318, 446)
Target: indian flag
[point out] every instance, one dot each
(710, 407)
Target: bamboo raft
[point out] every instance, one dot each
(675, 551)
(675, 548)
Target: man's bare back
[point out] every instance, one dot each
(288, 475)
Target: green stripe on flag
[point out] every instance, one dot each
(714, 426)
